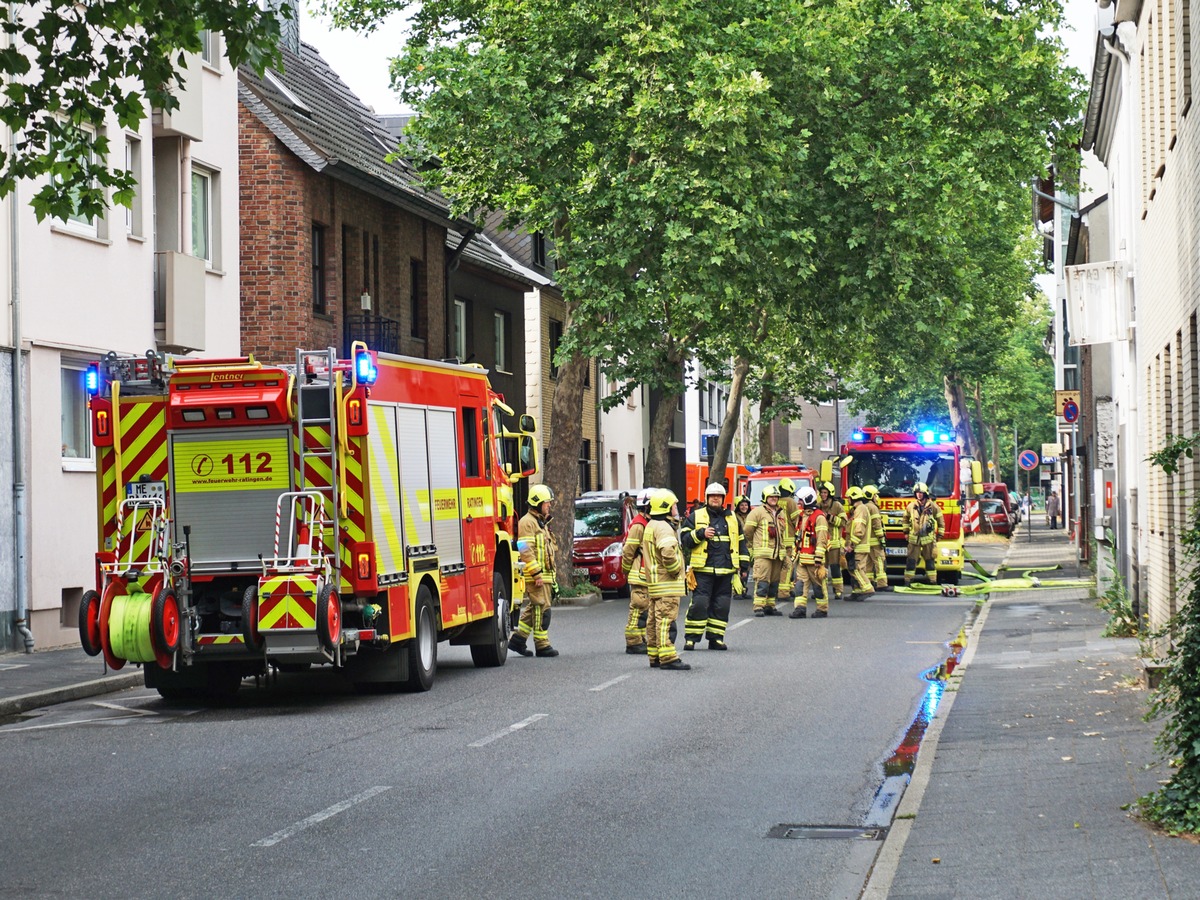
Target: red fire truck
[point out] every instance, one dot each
(751, 484)
(345, 512)
(896, 461)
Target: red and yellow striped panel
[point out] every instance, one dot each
(354, 523)
(287, 603)
(209, 640)
(139, 449)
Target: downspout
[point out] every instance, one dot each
(451, 266)
(18, 416)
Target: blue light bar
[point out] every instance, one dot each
(943, 437)
(91, 380)
(927, 436)
(857, 436)
(364, 369)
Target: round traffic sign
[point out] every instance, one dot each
(1028, 460)
(1070, 410)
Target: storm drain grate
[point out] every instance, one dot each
(827, 833)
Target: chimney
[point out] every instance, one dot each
(289, 24)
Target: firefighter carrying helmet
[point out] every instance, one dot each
(787, 487)
(920, 488)
(855, 493)
(714, 488)
(539, 494)
(770, 491)
(807, 497)
(643, 497)
(871, 492)
(662, 501)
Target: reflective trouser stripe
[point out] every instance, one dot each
(635, 628)
(662, 613)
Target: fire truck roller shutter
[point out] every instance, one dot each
(387, 525)
(225, 487)
(414, 475)
(443, 475)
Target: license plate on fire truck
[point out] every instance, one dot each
(139, 490)
(897, 551)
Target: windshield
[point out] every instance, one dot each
(599, 519)
(896, 473)
(754, 487)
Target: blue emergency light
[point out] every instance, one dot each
(927, 436)
(365, 371)
(91, 380)
(943, 437)
(857, 436)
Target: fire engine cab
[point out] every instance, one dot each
(345, 512)
(758, 477)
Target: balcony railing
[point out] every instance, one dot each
(378, 332)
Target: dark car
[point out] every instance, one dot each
(994, 517)
(601, 521)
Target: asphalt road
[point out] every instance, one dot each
(586, 775)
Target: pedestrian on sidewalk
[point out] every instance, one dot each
(1053, 508)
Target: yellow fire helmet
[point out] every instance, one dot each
(539, 494)
(769, 491)
(827, 486)
(787, 487)
(871, 492)
(662, 502)
(855, 493)
(920, 488)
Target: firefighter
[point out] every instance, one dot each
(877, 569)
(924, 526)
(713, 541)
(741, 510)
(860, 543)
(835, 516)
(764, 536)
(662, 562)
(537, 558)
(791, 513)
(812, 542)
(631, 565)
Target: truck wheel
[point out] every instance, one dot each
(422, 649)
(115, 588)
(164, 627)
(329, 618)
(495, 651)
(250, 632)
(89, 623)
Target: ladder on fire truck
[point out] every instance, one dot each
(311, 367)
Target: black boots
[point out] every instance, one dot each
(800, 612)
(547, 651)
(516, 644)
(676, 665)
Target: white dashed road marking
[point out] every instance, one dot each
(315, 818)
(739, 624)
(609, 684)
(509, 730)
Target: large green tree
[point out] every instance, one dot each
(66, 66)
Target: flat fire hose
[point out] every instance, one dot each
(991, 583)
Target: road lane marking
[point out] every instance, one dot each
(609, 684)
(124, 709)
(509, 730)
(10, 729)
(315, 818)
(740, 624)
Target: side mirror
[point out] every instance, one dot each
(977, 476)
(527, 455)
(826, 470)
(528, 424)
(845, 460)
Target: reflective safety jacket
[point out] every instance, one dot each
(718, 554)
(791, 515)
(812, 537)
(765, 530)
(662, 559)
(744, 551)
(860, 529)
(877, 537)
(538, 555)
(631, 558)
(835, 515)
(918, 516)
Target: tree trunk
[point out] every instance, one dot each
(766, 447)
(561, 473)
(993, 435)
(729, 425)
(658, 457)
(982, 431)
(960, 417)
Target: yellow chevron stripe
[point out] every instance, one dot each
(303, 618)
(385, 479)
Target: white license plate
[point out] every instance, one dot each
(139, 490)
(896, 551)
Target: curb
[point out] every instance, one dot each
(11, 706)
(584, 600)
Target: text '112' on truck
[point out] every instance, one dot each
(349, 512)
(897, 461)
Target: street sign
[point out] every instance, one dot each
(1070, 410)
(1028, 460)
(1061, 399)
(991, 466)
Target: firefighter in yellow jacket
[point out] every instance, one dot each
(742, 509)
(536, 547)
(812, 542)
(791, 513)
(835, 516)
(924, 525)
(765, 529)
(878, 568)
(860, 543)
(662, 566)
(631, 565)
(713, 542)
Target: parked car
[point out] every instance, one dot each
(998, 490)
(994, 518)
(601, 522)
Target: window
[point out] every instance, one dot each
(320, 302)
(75, 221)
(585, 465)
(826, 440)
(418, 299)
(470, 426)
(556, 333)
(76, 426)
(133, 165)
(459, 347)
(202, 183)
(633, 479)
(808, 439)
(612, 470)
(209, 47)
(500, 323)
(537, 251)
(703, 391)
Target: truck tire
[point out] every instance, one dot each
(495, 652)
(89, 623)
(422, 649)
(250, 634)
(329, 618)
(164, 623)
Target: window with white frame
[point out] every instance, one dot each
(500, 320)
(210, 50)
(808, 438)
(202, 218)
(133, 165)
(460, 329)
(76, 221)
(826, 440)
(76, 426)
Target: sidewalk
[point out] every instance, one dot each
(1039, 742)
(45, 677)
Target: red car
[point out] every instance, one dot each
(601, 521)
(994, 517)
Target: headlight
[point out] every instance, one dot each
(613, 549)
(949, 552)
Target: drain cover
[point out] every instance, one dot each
(827, 833)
